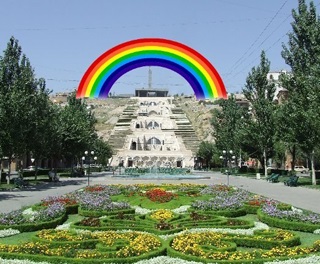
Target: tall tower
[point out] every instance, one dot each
(150, 78)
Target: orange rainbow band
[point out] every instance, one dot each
(111, 65)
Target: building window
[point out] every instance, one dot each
(154, 141)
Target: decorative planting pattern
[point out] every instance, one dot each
(204, 227)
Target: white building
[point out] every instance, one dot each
(153, 132)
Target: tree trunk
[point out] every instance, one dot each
(36, 169)
(0, 170)
(265, 163)
(313, 172)
(293, 161)
(9, 170)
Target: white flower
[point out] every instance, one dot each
(63, 226)
(317, 232)
(308, 260)
(296, 210)
(8, 232)
(28, 211)
(165, 260)
(182, 209)
(141, 211)
(18, 261)
(258, 226)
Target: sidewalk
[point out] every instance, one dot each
(297, 196)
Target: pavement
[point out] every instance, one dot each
(300, 197)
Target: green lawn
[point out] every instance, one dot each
(188, 220)
(304, 181)
(138, 200)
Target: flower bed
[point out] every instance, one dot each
(205, 229)
(221, 248)
(44, 217)
(65, 246)
(160, 195)
(161, 222)
(224, 199)
(68, 201)
(293, 219)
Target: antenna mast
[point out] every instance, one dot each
(150, 78)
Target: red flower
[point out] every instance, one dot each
(159, 195)
(96, 188)
(62, 200)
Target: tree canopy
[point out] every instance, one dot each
(32, 125)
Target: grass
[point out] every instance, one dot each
(27, 236)
(30, 180)
(138, 200)
(307, 239)
(18, 239)
(5, 187)
(304, 181)
(74, 218)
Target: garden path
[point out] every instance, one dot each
(297, 196)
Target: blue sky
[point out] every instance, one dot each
(63, 37)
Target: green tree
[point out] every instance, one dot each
(207, 152)
(302, 54)
(42, 133)
(260, 93)
(103, 151)
(76, 128)
(228, 124)
(18, 87)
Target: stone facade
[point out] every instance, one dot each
(150, 137)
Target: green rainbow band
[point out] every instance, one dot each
(104, 72)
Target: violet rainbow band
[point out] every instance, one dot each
(111, 65)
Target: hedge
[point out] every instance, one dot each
(91, 213)
(287, 224)
(175, 254)
(161, 251)
(28, 227)
(227, 213)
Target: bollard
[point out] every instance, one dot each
(258, 176)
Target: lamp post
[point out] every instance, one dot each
(228, 158)
(89, 156)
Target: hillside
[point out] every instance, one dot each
(199, 115)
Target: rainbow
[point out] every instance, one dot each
(111, 65)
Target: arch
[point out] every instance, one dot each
(154, 141)
(191, 65)
(133, 146)
(152, 112)
(153, 124)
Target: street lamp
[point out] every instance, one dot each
(228, 158)
(89, 156)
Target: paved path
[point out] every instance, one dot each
(298, 196)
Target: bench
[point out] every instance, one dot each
(274, 178)
(292, 181)
(20, 183)
(53, 176)
(270, 176)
